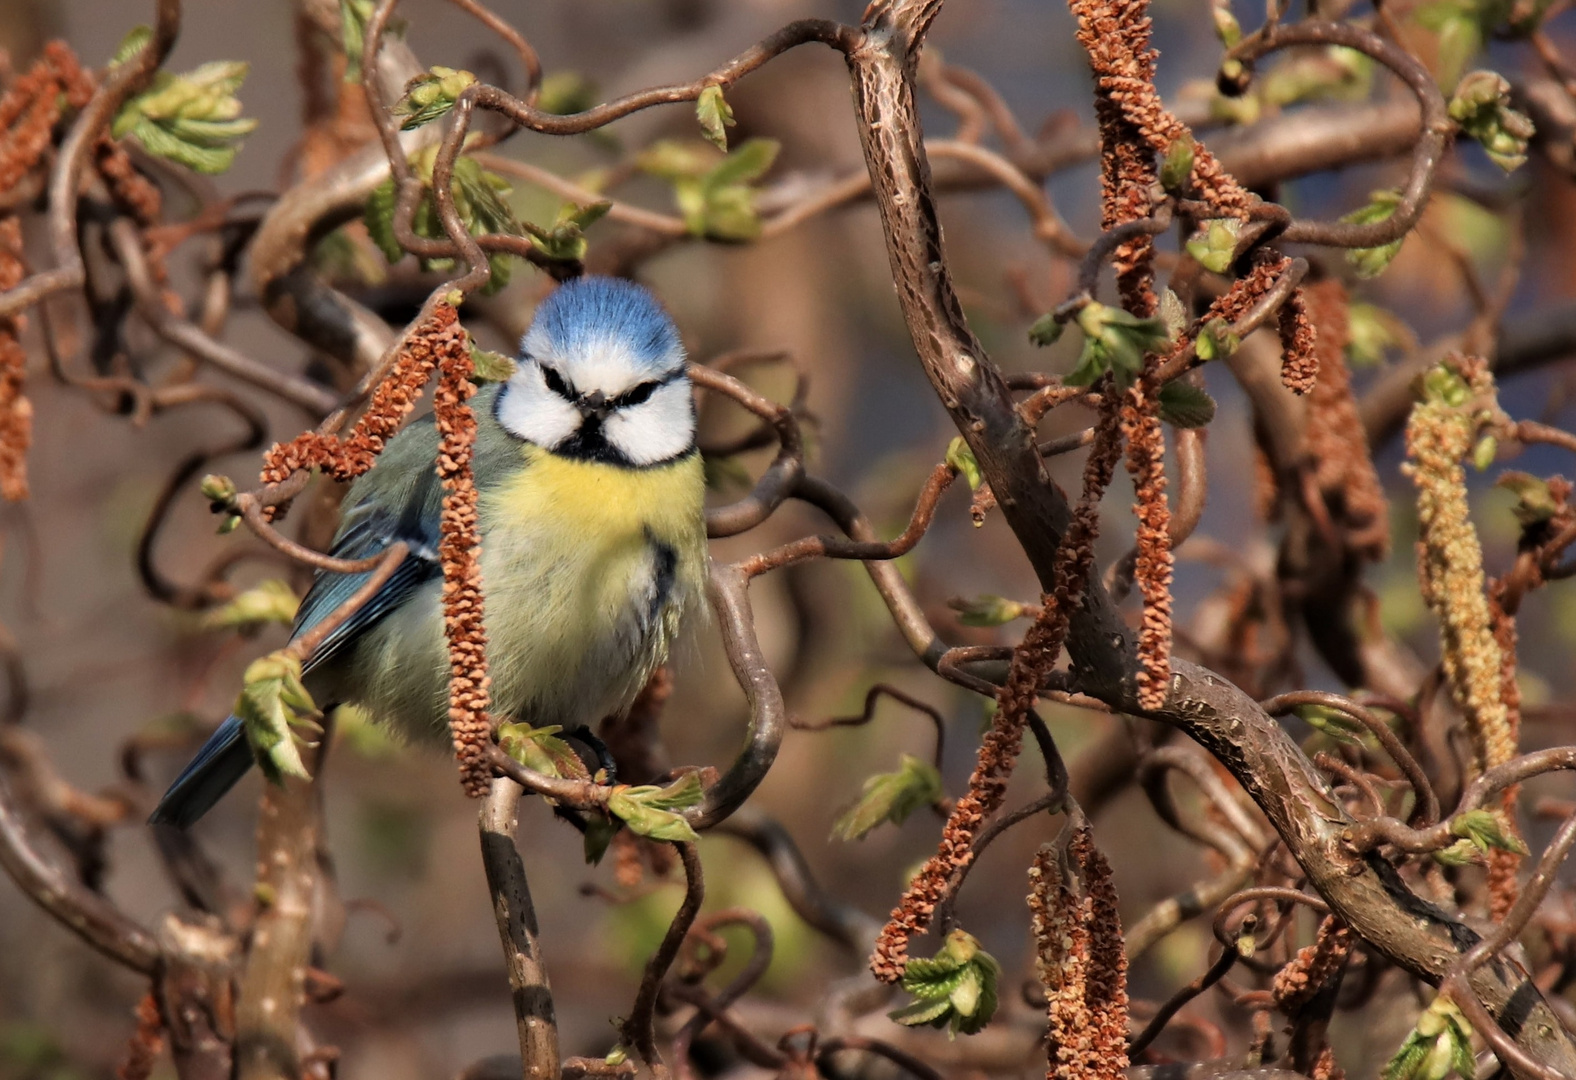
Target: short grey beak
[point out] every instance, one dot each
(592, 404)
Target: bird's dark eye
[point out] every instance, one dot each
(555, 383)
(635, 395)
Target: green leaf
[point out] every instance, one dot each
(1184, 405)
(1216, 341)
(353, 18)
(1371, 333)
(1046, 330)
(715, 116)
(540, 750)
(193, 119)
(714, 196)
(1332, 722)
(1115, 341)
(649, 810)
(955, 989)
(961, 458)
(1487, 829)
(1227, 29)
(270, 601)
(1371, 262)
(1439, 1044)
(1535, 504)
(565, 92)
(272, 704)
(566, 239)
(430, 95)
(1177, 166)
(988, 610)
(136, 39)
(491, 366)
(1215, 244)
(750, 161)
(378, 216)
(1173, 314)
(1461, 853)
(890, 797)
(1481, 105)
(600, 830)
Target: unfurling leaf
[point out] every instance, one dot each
(650, 810)
(1216, 341)
(1046, 330)
(1461, 853)
(272, 704)
(1441, 1042)
(479, 200)
(955, 989)
(1484, 451)
(1442, 383)
(890, 797)
(600, 830)
(271, 601)
(1535, 504)
(988, 610)
(491, 366)
(715, 116)
(1481, 105)
(1371, 262)
(1115, 341)
(714, 196)
(1371, 332)
(961, 458)
(1173, 314)
(566, 239)
(431, 95)
(1227, 29)
(540, 749)
(565, 92)
(1177, 166)
(193, 119)
(1332, 722)
(132, 44)
(1215, 244)
(1487, 829)
(1184, 405)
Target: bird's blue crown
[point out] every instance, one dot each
(585, 315)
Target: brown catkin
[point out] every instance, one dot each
(1031, 660)
(146, 1044)
(1081, 961)
(1299, 358)
(459, 550)
(16, 412)
(1146, 460)
(1313, 966)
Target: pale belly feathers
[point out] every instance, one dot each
(587, 571)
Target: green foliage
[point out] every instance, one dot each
(1442, 385)
(715, 116)
(1177, 166)
(1216, 340)
(1461, 27)
(1215, 244)
(1535, 504)
(1173, 314)
(1372, 332)
(1487, 829)
(270, 601)
(955, 989)
(987, 610)
(1115, 341)
(565, 92)
(1481, 105)
(961, 458)
(431, 95)
(193, 119)
(1371, 262)
(1046, 330)
(650, 810)
(1184, 405)
(489, 366)
(566, 239)
(540, 749)
(353, 18)
(1441, 1042)
(272, 704)
(1227, 29)
(1333, 72)
(715, 195)
(1332, 722)
(479, 199)
(890, 797)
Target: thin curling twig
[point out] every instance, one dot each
(1434, 136)
(868, 712)
(637, 1031)
(1173, 1005)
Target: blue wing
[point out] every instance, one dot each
(226, 757)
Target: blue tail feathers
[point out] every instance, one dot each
(221, 762)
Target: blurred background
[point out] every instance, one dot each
(418, 950)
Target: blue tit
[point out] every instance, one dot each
(593, 533)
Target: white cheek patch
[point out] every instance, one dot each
(659, 428)
(528, 410)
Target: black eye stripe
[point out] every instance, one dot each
(635, 395)
(555, 383)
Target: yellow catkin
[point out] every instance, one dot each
(1439, 434)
